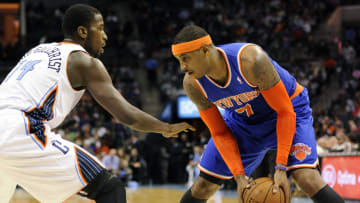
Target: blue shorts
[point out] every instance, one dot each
(255, 140)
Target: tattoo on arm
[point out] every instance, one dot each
(258, 68)
(194, 93)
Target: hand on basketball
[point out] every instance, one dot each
(174, 129)
(242, 184)
(281, 180)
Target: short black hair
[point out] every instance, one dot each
(78, 15)
(189, 33)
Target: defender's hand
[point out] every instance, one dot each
(174, 129)
(281, 180)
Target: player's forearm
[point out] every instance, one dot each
(144, 122)
(223, 139)
(141, 121)
(278, 99)
(130, 115)
(227, 146)
(285, 128)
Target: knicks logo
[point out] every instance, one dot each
(300, 151)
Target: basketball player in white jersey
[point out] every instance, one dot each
(37, 95)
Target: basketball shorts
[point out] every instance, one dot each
(255, 140)
(50, 168)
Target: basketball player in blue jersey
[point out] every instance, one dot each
(39, 93)
(265, 108)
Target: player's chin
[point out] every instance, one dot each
(196, 76)
(98, 54)
(192, 74)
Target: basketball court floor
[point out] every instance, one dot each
(150, 194)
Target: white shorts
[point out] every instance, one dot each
(50, 168)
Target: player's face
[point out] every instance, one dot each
(96, 39)
(193, 63)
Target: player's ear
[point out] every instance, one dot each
(82, 32)
(205, 48)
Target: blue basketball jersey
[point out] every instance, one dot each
(238, 97)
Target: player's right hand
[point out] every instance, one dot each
(242, 184)
(281, 180)
(174, 129)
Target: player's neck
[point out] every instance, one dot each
(71, 40)
(219, 71)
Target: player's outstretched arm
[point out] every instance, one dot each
(89, 72)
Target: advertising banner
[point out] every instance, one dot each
(343, 175)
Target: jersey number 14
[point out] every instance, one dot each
(24, 67)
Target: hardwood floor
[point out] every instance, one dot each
(139, 195)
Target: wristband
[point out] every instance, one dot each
(280, 168)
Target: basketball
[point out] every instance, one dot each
(261, 191)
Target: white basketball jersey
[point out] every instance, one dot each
(38, 84)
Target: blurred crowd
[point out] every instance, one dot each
(141, 39)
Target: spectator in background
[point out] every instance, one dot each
(112, 161)
(116, 134)
(349, 53)
(186, 150)
(137, 165)
(88, 139)
(122, 155)
(134, 142)
(192, 169)
(342, 145)
(125, 172)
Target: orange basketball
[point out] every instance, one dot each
(261, 192)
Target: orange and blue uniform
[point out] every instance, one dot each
(251, 119)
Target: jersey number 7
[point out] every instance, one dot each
(247, 108)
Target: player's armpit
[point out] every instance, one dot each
(279, 100)
(223, 139)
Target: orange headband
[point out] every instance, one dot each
(190, 46)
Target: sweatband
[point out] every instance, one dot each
(190, 46)
(280, 168)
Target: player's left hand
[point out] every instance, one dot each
(281, 180)
(174, 129)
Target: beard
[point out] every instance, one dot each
(91, 51)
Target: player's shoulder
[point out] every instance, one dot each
(251, 53)
(82, 59)
(232, 46)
